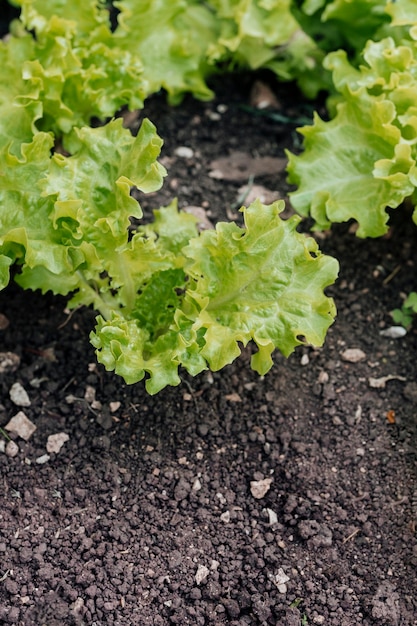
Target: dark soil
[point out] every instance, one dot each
(146, 515)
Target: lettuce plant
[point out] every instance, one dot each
(167, 297)
(371, 137)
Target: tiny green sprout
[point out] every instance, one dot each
(294, 605)
(405, 315)
(4, 434)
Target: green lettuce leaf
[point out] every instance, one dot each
(18, 114)
(171, 41)
(347, 24)
(67, 68)
(364, 159)
(262, 283)
(265, 33)
(65, 220)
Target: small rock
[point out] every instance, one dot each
(380, 383)
(353, 355)
(21, 425)
(18, 395)
(225, 517)
(262, 96)
(9, 362)
(323, 377)
(201, 574)
(114, 406)
(272, 517)
(101, 443)
(280, 579)
(41, 460)
(393, 332)
(55, 442)
(184, 152)
(259, 488)
(386, 604)
(213, 590)
(12, 449)
(233, 397)
(90, 394)
(203, 429)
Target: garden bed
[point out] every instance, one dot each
(231, 499)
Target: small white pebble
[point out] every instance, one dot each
(184, 152)
(259, 488)
(272, 517)
(90, 394)
(394, 332)
(196, 485)
(201, 574)
(323, 377)
(353, 355)
(18, 395)
(41, 460)
(21, 425)
(12, 449)
(55, 442)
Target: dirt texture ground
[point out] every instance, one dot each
(288, 500)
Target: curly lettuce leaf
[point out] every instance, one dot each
(262, 283)
(27, 235)
(17, 115)
(265, 33)
(402, 12)
(347, 24)
(364, 159)
(67, 65)
(84, 16)
(65, 220)
(171, 41)
(335, 173)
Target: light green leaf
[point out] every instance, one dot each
(335, 174)
(106, 163)
(264, 282)
(402, 12)
(364, 159)
(171, 41)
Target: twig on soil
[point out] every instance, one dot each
(392, 275)
(346, 539)
(69, 316)
(5, 575)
